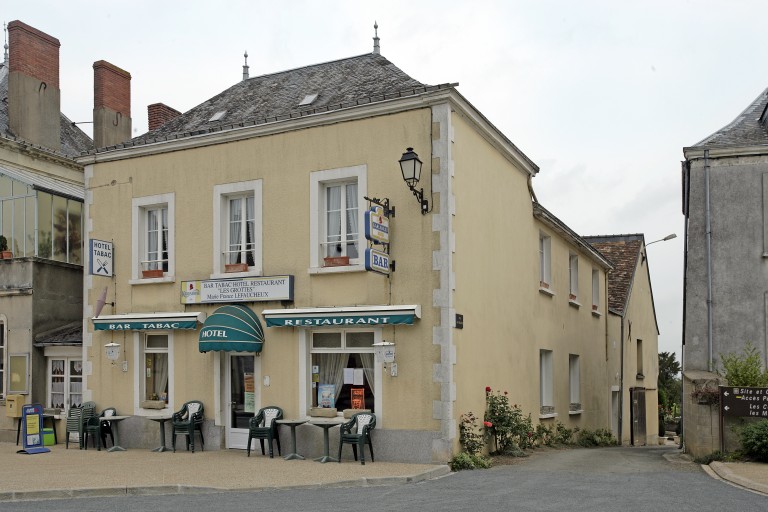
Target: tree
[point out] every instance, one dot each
(669, 384)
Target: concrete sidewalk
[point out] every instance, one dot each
(66, 473)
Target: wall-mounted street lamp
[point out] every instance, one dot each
(410, 166)
(112, 351)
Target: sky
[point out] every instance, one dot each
(602, 95)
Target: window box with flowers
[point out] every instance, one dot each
(706, 395)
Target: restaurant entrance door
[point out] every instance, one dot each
(242, 377)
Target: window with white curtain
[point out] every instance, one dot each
(237, 217)
(153, 236)
(65, 382)
(155, 367)
(344, 361)
(337, 210)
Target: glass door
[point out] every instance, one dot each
(242, 397)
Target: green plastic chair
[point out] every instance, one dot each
(74, 415)
(96, 425)
(357, 432)
(186, 421)
(264, 426)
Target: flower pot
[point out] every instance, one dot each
(542, 284)
(152, 274)
(571, 296)
(338, 261)
(236, 267)
(6, 255)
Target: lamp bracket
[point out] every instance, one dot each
(384, 203)
(420, 198)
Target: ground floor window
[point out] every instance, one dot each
(342, 369)
(155, 371)
(65, 383)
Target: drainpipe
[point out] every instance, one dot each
(709, 259)
(686, 202)
(621, 386)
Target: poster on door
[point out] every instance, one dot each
(249, 395)
(358, 398)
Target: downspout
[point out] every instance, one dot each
(621, 385)
(686, 201)
(709, 260)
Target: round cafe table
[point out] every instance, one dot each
(293, 424)
(114, 420)
(161, 420)
(325, 425)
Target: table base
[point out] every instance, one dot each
(326, 458)
(160, 449)
(293, 456)
(116, 449)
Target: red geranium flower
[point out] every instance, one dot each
(487, 389)
(487, 424)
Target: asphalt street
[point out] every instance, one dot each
(595, 480)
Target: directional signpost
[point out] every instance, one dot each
(739, 402)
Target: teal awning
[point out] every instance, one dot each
(148, 321)
(353, 316)
(233, 328)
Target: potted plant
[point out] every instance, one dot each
(235, 267)
(4, 252)
(152, 273)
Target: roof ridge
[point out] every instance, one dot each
(738, 120)
(325, 63)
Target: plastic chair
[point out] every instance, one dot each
(74, 415)
(96, 425)
(186, 421)
(357, 432)
(264, 426)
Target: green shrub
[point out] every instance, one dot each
(464, 461)
(562, 434)
(470, 438)
(505, 424)
(744, 369)
(599, 437)
(543, 435)
(707, 459)
(754, 440)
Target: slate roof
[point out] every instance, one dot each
(66, 335)
(74, 141)
(623, 251)
(748, 129)
(338, 84)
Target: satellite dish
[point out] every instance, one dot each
(101, 301)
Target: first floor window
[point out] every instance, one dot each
(65, 384)
(341, 220)
(157, 239)
(241, 233)
(342, 367)
(152, 236)
(545, 248)
(595, 289)
(155, 367)
(545, 381)
(2, 360)
(573, 274)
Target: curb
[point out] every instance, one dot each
(52, 494)
(725, 473)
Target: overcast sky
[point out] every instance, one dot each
(602, 95)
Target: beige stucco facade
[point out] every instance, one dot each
(475, 253)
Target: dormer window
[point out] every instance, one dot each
(308, 99)
(217, 116)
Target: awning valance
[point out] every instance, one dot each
(148, 321)
(235, 328)
(355, 316)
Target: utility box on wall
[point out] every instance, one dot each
(13, 405)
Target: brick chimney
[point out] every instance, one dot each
(159, 114)
(34, 98)
(111, 104)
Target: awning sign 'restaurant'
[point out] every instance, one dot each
(359, 316)
(247, 289)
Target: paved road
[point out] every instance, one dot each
(607, 479)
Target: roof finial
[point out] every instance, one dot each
(5, 46)
(245, 66)
(376, 49)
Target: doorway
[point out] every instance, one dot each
(637, 413)
(242, 399)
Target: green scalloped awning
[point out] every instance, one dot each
(232, 328)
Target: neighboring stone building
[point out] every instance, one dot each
(725, 203)
(633, 335)
(41, 217)
(251, 210)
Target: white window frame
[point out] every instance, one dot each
(221, 196)
(317, 183)
(67, 379)
(574, 380)
(573, 276)
(545, 261)
(3, 355)
(546, 379)
(595, 290)
(305, 372)
(139, 340)
(139, 208)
